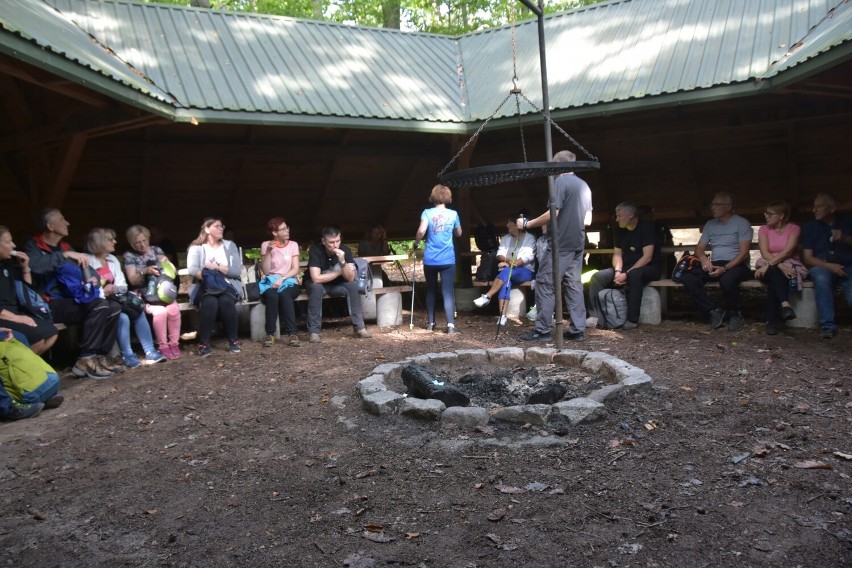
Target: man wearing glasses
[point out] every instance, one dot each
(729, 238)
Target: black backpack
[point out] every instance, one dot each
(487, 269)
(486, 237)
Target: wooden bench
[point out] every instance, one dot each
(655, 301)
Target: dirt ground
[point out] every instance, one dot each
(739, 456)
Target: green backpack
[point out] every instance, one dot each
(20, 369)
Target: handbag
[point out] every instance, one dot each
(131, 304)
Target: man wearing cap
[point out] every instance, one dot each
(98, 317)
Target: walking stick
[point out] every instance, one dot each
(508, 285)
(413, 279)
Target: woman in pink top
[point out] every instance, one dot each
(279, 261)
(779, 264)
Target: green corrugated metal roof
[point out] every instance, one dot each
(234, 67)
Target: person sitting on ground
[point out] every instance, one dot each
(778, 263)
(47, 252)
(438, 225)
(374, 243)
(143, 262)
(515, 260)
(11, 409)
(101, 245)
(331, 269)
(827, 251)
(26, 377)
(214, 264)
(635, 263)
(40, 333)
(279, 288)
(729, 237)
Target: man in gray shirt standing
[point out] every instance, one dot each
(729, 237)
(573, 204)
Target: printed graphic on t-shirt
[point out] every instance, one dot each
(439, 224)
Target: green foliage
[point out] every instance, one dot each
(452, 17)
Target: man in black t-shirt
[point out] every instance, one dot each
(635, 262)
(331, 268)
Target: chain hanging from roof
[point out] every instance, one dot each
(504, 173)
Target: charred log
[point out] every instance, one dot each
(423, 384)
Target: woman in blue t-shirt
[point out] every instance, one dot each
(438, 225)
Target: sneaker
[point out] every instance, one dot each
(89, 367)
(293, 341)
(234, 346)
(54, 402)
(532, 314)
(579, 336)
(482, 301)
(828, 333)
(502, 320)
(717, 318)
(591, 322)
(19, 411)
(628, 325)
(154, 357)
(451, 329)
(736, 322)
(131, 361)
(787, 313)
(269, 341)
(430, 326)
(363, 333)
(535, 336)
(204, 350)
(113, 365)
(771, 328)
(315, 338)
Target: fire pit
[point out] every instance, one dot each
(470, 387)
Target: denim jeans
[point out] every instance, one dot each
(143, 332)
(48, 389)
(824, 283)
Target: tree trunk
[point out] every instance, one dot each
(390, 14)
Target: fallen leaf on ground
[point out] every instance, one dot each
(509, 490)
(811, 464)
(496, 515)
(687, 389)
(411, 535)
(842, 456)
(378, 536)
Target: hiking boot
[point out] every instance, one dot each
(717, 318)
(19, 411)
(204, 350)
(234, 346)
(482, 301)
(736, 322)
(54, 402)
(170, 352)
(154, 357)
(828, 333)
(90, 367)
(131, 361)
(628, 325)
(451, 329)
(535, 336)
(269, 341)
(771, 328)
(315, 338)
(293, 340)
(579, 336)
(787, 313)
(175, 350)
(363, 333)
(113, 365)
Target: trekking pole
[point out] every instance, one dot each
(413, 279)
(508, 285)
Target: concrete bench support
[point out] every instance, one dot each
(651, 310)
(389, 309)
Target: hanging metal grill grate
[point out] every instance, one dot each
(505, 173)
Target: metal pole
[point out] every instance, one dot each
(538, 10)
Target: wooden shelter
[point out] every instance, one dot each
(90, 128)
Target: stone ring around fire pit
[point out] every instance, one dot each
(623, 377)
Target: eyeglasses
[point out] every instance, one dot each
(283, 229)
(719, 204)
(770, 213)
(218, 226)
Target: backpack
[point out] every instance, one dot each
(69, 282)
(613, 308)
(31, 301)
(487, 269)
(21, 370)
(363, 276)
(687, 263)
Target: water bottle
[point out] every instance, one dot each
(794, 283)
(151, 285)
